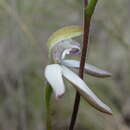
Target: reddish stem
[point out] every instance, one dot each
(82, 63)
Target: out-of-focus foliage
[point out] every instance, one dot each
(25, 26)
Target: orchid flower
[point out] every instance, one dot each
(60, 44)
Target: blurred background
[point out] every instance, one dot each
(25, 26)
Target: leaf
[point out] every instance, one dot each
(48, 93)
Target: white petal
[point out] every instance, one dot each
(83, 89)
(65, 52)
(89, 69)
(53, 74)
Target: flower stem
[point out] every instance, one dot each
(88, 11)
(47, 104)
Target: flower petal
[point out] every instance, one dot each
(63, 48)
(83, 89)
(64, 33)
(89, 69)
(53, 74)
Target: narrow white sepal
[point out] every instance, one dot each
(83, 89)
(53, 74)
(89, 69)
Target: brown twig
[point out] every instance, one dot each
(82, 63)
(88, 11)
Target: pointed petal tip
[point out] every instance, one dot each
(97, 72)
(102, 108)
(104, 74)
(108, 111)
(107, 74)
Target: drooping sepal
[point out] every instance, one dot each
(85, 91)
(89, 69)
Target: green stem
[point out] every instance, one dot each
(88, 11)
(48, 93)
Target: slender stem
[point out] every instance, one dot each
(47, 104)
(88, 11)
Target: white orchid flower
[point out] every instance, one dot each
(61, 44)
